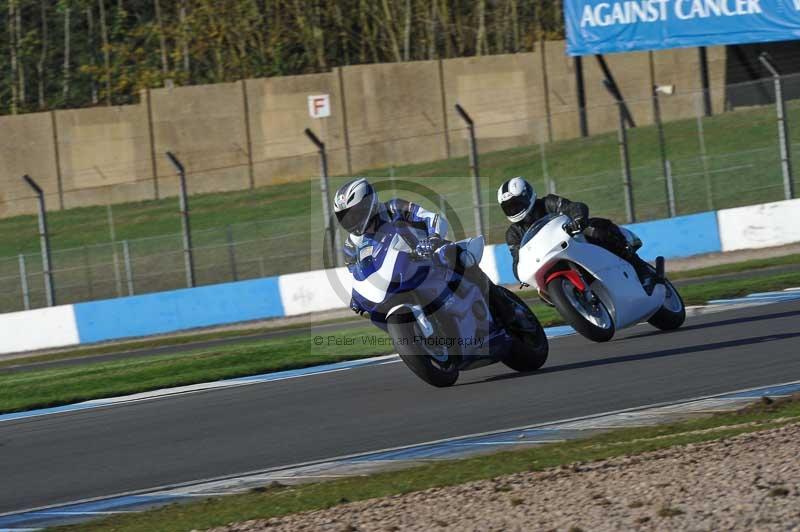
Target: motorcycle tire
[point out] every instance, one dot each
(557, 290)
(671, 315)
(404, 331)
(530, 347)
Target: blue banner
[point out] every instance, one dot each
(607, 26)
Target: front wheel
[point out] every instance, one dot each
(431, 363)
(530, 348)
(672, 313)
(590, 318)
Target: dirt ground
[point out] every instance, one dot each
(748, 482)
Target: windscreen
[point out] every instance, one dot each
(536, 227)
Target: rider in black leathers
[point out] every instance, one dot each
(518, 200)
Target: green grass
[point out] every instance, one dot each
(50, 387)
(140, 345)
(30, 389)
(738, 267)
(278, 501)
(278, 228)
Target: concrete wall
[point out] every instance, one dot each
(232, 136)
(205, 126)
(27, 148)
(394, 113)
(504, 95)
(104, 154)
(279, 114)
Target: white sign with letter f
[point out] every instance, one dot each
(319, 106)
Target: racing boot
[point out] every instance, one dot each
(647, 276)
(501, 308)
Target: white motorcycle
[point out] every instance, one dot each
(594, 290)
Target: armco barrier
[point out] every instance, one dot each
(43, 328)
(760, 226)
(300, 293)
(190, 308)
(682, 236)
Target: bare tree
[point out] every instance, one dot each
(391, 32)
(106, 50)
(407, 33)
(162, 41)
(12, 49)
(23, 97)
(184, 39)
(481, 47)
(67, 42)
(40, 67)
(90, 40)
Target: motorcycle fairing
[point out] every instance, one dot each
(621, 290)
(390, 279)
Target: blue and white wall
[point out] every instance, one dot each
(755, 226)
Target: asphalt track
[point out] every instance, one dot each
(65, 457)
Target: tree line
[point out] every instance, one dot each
(75, 53)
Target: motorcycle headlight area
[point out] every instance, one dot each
(365, 252)
(400, 244)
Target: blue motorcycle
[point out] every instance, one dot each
(441, 317)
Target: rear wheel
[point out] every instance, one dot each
(530, 347)
(589, 317)
(672, 313)
(430, 362)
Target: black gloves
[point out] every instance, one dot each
(357, 309)
(576, 226)
(427, 246)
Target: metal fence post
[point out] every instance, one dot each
(231, 252)
(662, 143)
(44, 239)
(126, 257)
(670, 191)
(23, 281)
(704, 80)
(474, 167)
(330, 229)
(701, 138)
(188, 255)
(783, 126)
(114, 257)
(624, 155)
(87, 268)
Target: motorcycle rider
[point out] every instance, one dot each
(522, 207)
(361, 214)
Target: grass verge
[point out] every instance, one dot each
(737, 267)
(52, 387)
(277, 501)
(159, 342)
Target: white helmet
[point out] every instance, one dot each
(355, 203)
(516, 197)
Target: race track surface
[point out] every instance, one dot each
(66, 457)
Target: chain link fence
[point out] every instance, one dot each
(686, 162)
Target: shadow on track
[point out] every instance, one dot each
(688, 350)
(722, 323)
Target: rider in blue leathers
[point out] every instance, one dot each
(361, 214)
(400, 210)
